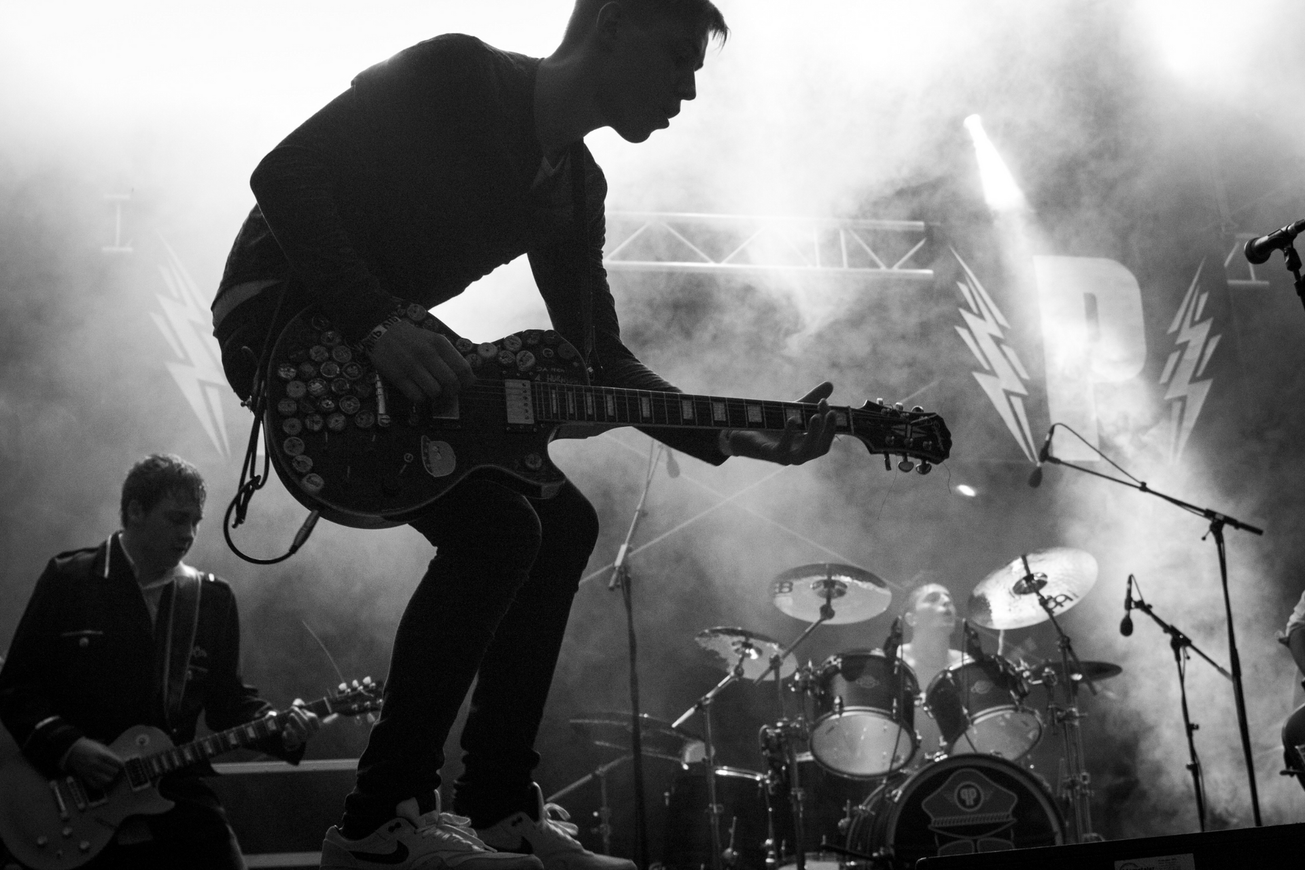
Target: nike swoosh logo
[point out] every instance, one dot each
(398, 856)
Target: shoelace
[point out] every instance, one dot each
(448, 826)
(562, 825)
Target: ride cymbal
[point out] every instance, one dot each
(1009, 597)
(739, 646)
(853, 594)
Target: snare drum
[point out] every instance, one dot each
(979, 707)
(866, 714)
(957, 806)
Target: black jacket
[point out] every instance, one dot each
(85, 660)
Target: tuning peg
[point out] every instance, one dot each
(344, 687)
(880, 401)
(924, 467)
(906, 465)
(898, 406)
(917, 410)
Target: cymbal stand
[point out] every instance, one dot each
(714, 809)
(1182, 644)
(604, 811)
(783, 734)
(1077, 781)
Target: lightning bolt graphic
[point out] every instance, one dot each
(1003, 377)
(185, 323)
(1191, 354)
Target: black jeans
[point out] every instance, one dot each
(491, 609)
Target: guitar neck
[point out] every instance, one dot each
(149, 768)
(620, 406)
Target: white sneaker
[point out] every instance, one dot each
(551, 840)
(435, 840)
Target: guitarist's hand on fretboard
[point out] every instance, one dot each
(93, 762)
(792, 446)
(299, 723)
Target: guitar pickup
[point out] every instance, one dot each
(518, 404)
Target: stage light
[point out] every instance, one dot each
(999, 188)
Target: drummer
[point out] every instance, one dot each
(930, 614)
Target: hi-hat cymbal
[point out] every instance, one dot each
(1008, 597)
(739, 646)
(612, 730)
(1093, 671)
(854, 594)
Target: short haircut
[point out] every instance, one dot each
(159, 475)
(701, 14)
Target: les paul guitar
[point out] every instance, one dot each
(49, 824)
(353, 448)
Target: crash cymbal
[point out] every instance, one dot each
(1095, 671)
(612, 729)
(1008, 597)
(854, 593)
(754, 651)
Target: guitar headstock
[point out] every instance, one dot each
(892, 430)
(354, 700)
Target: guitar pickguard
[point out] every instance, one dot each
(351, 446)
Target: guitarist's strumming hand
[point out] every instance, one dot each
(92, 762)
(298, 724)
(421, 364)
(792, 446)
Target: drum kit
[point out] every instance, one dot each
(847, 781)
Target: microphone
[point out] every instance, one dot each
(1126, 624)
(1258, 250)
(973, 647)
(672, 467)
(1035, 476)
(894, 641)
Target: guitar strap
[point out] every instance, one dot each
(182, 627)
(579, 209)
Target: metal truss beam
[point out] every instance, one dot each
(743, 244)
(1251, 280)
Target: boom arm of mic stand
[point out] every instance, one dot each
(1178, 636)
(1211, 515)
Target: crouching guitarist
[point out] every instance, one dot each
(126, 634)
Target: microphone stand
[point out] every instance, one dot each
(1217, 522)
(1293, 265)
(1181, 644)
(621, 577)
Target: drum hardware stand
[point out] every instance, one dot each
(714, 809)
(1077, 781)
(787, 730)
(1182, 644)
(604, 811)
(1217, 522)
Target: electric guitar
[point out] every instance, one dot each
(353, 448)
(50, 824)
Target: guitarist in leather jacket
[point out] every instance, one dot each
(433, 168)
(91, 658)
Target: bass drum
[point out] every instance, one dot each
(956, 806)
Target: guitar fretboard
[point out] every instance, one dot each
(617, 406)
(145, 769)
